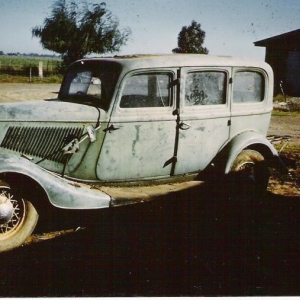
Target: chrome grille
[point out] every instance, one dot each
(39, 141)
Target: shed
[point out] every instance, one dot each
(283, 54)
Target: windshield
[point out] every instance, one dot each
(90, 83)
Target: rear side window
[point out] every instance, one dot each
(248, 87)
(205, 88)
(147, 90)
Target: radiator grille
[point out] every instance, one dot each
(39, 141)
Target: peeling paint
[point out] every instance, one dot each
(137, 139)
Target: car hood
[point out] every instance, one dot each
(53, 110)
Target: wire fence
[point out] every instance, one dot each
(29, 67)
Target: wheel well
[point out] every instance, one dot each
(264, 151)
(218, 165)
(50, 218)
(26, 188)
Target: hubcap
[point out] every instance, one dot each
(11, 213)
(6, 209)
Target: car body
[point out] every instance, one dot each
(124, 122)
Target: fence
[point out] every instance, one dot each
(29, 67)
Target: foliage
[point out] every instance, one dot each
(280, 98)
(280, 113)
(78, 30)
(190, 39)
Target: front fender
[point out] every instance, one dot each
(61, 193)
(250, 140)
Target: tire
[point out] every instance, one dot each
(15, 228)
(249, 175)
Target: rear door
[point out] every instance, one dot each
(204, 117)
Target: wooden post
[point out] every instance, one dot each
(41, 70)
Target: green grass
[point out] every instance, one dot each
(280, 98)
(24, 79)
(19, 62)
(17, 69)
(280, 113)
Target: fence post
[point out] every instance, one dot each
(41, 70)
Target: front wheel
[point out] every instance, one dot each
(18, 219)
(249, 174)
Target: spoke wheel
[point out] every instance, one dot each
(18, 219)
(249, 174)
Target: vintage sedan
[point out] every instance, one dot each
(126, 129)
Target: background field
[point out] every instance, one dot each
(20, 69)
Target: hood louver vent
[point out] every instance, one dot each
(39, 141)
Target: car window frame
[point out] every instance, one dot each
(205, 108)
(146, 110)
(265, 86)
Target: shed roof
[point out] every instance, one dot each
(290, 40)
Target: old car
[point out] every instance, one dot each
(126, 129)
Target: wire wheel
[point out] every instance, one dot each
(18, 214)
(18, 219)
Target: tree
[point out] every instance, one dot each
(78, 30)
(190, 39)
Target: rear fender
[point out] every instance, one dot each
(246, 140)
(61, 193)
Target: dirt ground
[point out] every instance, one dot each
(284, 133)
(10, 92)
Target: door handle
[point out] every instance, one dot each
(111, 128)
(183, 126)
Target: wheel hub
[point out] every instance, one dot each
(6, 209)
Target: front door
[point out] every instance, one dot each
(204, 120)
(141, 134)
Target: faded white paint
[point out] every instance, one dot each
(161, 138)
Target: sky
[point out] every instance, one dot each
(231, 26)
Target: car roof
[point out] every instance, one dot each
(179, 60)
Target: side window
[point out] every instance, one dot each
(147, 90)
(248, 87)
(205, 88)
